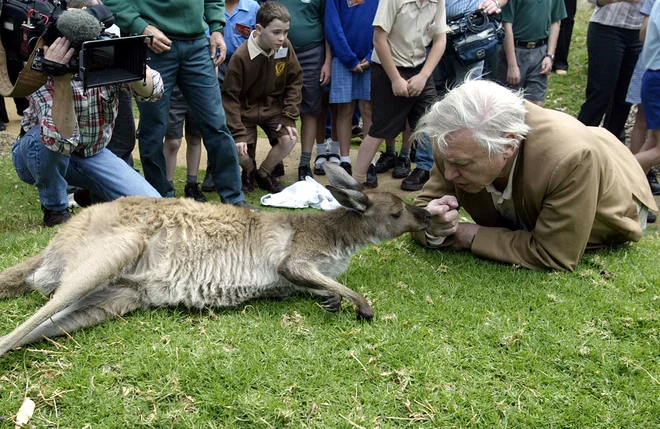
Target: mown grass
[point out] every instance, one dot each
(456, 342)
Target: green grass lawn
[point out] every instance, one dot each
(456, 342)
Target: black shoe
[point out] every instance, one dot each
(207, 184)
(278, 171)
(401, 167)
(54, 217)
(372, 178)
(385, 162)
(247, 206)
(334, 158)
(357, 131)
(191, 190)
(2, 126)
(347, 166)
(318, 168)
(83, 197)
(304, 171)
(268, 182)
(651, 217)
(416, 180)
(653, 183)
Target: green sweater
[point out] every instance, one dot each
(178, 19)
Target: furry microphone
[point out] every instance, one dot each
(78, 26)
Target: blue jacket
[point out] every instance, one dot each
(349, 30)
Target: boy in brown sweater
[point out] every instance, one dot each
(263, 86)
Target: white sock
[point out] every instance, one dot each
(345, 159)
(334, 147)
(321, 148)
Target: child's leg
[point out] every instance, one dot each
(638, 134)
(651, 157)
(345, 126)
(193, 156)
(170, 150)
(365, 111)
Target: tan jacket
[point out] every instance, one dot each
(573, 188)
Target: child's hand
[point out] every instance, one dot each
(241, 148)
(357, 69)
(400, 87)
(326, 73)
(416, 85)
(291, 131)
(546, 66)
(365, 64)
(513, 75)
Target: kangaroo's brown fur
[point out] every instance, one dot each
(137, 253)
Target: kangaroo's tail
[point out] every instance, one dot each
(12, 280)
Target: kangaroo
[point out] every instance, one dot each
(135, 253)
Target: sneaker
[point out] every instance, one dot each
(207, 183)
(278, 171)
(347, 166)
(318, 164)
(372, 178)
(54, 217)
(304, 171)
(651, 217)
(247, 206)
(416, 180)
(401, 167)
(268, 182)
(191, 190)
(334, 158)
(653, 183)
(385, 162)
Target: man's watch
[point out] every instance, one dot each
(551, 56)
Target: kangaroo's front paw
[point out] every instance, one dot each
(332, 303)
(365, 313)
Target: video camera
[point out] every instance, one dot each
(101, 59)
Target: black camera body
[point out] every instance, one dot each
(101, 59)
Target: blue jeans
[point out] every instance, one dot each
(104, 174)
(188, 64)
(424, 154)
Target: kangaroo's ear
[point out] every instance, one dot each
(338, 177)
(350, 199)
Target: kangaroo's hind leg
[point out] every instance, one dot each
(331, 301)
(303, 273)
(102, 258)
(98, 306)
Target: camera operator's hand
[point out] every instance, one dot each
(160, 43)
(59, 52)
(218, 48)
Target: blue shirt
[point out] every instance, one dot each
(245, 15)
(651, 52)
(458, 7)
(348, 30)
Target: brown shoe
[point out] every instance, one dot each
(268, 182)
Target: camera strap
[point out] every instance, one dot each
(28, 81)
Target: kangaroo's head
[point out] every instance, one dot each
(382, 214)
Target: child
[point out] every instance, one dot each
(263, 87)
(349, 33)
(401, 84)
(532, 29)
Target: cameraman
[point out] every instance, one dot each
(64, 134)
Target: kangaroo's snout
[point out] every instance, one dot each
(422, 216)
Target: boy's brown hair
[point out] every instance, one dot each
(270, 11)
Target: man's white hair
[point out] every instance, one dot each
(492, 113)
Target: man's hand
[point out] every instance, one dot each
(400, 87)
(291, 131)
(59, 52)
(218, 48)
(464, 236)
(444, 216)
(491, 7)
(160, 43)
(546, 66)
(326, 73)
(513, 75)
(241, 148)
(416, 85)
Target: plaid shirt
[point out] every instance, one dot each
(620, 14)
(96, 113)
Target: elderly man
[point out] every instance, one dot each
(540, 186)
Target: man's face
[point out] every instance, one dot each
(468, 165)
(273, 36)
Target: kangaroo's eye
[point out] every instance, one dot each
(397, 214)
